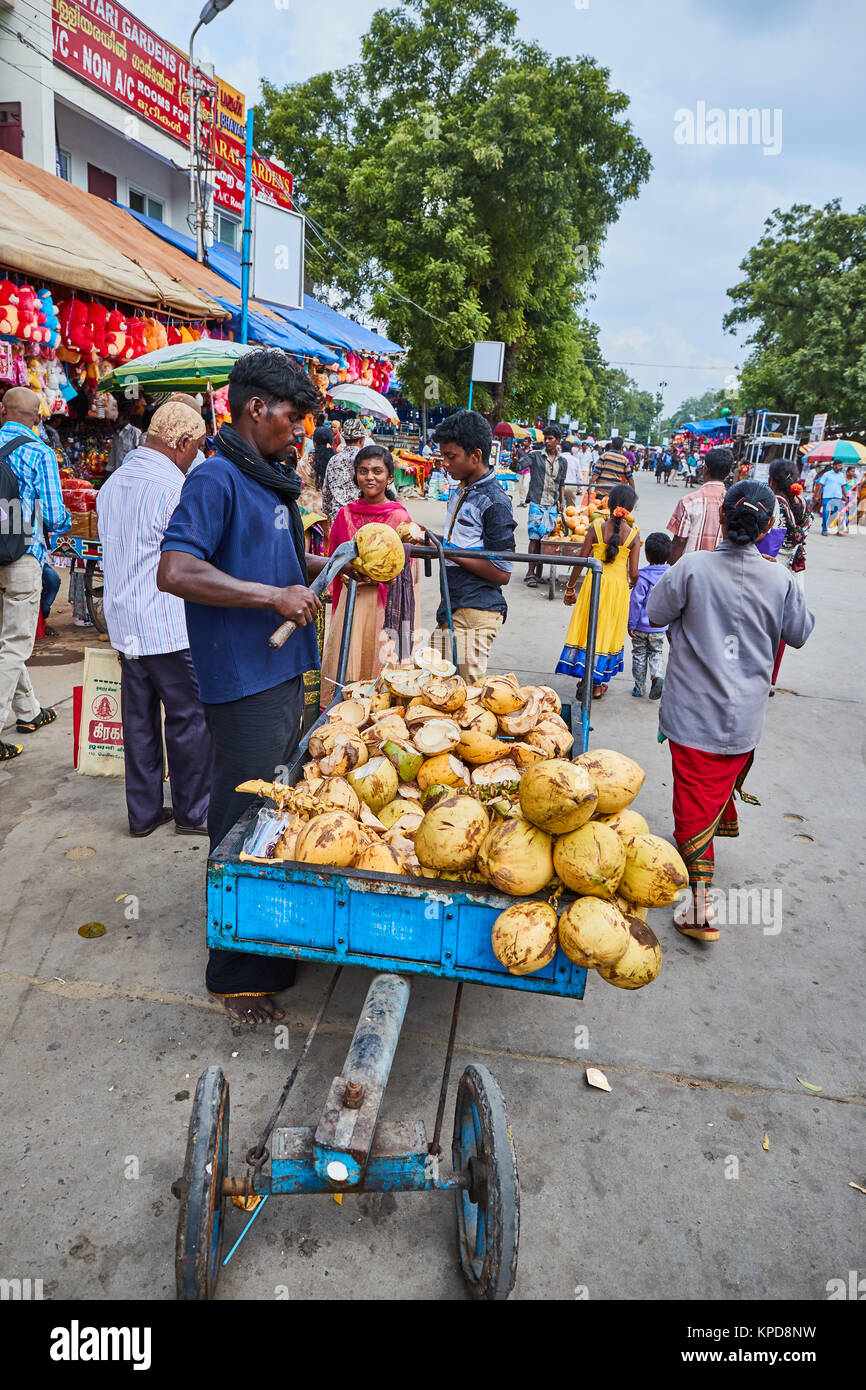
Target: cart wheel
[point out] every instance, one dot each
(93, 587)
(488, 1212)
(201, 1221)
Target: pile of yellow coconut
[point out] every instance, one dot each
(420, 773)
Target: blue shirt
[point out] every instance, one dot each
(244, 530)
(831, 485)
(35, 466)
(479, 518)
(647, 579)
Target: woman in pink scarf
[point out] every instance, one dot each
(385, 614)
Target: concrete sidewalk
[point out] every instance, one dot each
(660, 1189)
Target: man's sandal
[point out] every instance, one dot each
(10, 750)
(30, 726)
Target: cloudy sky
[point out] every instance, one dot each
(668, 262)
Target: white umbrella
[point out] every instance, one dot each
(366, 400)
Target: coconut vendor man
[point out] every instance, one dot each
(234, 551)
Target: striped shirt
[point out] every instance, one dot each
(35, 466)
(134, 508)
(612, 469)
(697, 518)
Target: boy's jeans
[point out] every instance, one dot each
(831, 508)
(647, 650)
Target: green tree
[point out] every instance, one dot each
(625, 407)
(466, 181)
(803, 298)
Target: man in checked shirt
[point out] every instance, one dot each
(41, 508)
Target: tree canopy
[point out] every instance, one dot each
(460, 183)
(803, 297)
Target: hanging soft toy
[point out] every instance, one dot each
(151, 334)
(28, 311)
(52, 323)
(353, 363)
(221, 406)
(188, 335)
(115, 335)
(97, 318)
(174, 334)
(136, 338)
(366, 372)
(8, 308)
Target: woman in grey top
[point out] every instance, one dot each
(727, 609)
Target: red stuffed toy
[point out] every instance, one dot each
(115, 336)
(137, 337)
(8, 308)
(174, 335)
(97, 319)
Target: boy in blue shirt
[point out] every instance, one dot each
(479, 518)
(648, 642)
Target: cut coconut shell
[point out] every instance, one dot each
(376, 783)
(346, 754)
(524, 754)
(436, 736)
(407, 684)
(417, 713)
(475, 716)
(523, 720)
(355, 712)
(501, 695)
(504, 773)
(387, 728)
(405, 757)
(426, 659)
(449, 696)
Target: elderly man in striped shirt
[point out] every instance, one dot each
(148, 629)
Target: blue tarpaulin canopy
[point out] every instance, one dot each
(273, 334)
(315, 321)
(721, 426)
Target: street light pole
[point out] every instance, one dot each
(210, 11)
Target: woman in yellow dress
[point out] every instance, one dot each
(616, 543)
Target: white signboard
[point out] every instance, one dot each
(819, 424)
(488, 362)
(278, 256)
(632, 434)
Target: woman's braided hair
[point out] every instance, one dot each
(749, 508)
(621, 497)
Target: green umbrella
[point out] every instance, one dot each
(182, 367)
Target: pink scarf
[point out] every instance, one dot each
(350, 519)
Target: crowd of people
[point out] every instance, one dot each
(204, 555)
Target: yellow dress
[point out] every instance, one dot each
(612, 616)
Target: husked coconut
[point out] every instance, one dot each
(524, 937)
(593, 933)
(549, 699)
(444, 770)
(555, 731)
(408, 684)
(475, 747)
(379, 858)
(516, 857)
(557, 796)
(333, 838)
(654, 872)
(629, 909)
(375, 783)
(501, 695)
(338, 794)
(641, 962)
(323, 738)
(450, 834)
(627, 822)
(590, 860)
(380, 552)
(436, 736)
(617, 778)
(346, 753)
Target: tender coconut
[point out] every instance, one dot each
(524, 937)
(642, 961)
(516, 857)
(590, 860)
(450, 834)
(593, 933)
(557, 796)
(617, 778)
(333, 838)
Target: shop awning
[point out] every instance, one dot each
(317, 320)
(721, 426)
(51, 230)
(274, 332)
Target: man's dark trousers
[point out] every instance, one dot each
(166, 680)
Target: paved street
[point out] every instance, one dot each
(660, 1189)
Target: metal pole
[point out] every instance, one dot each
(471, 385)
(248, 228)
(193, 184)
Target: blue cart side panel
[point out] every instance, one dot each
(379, 922)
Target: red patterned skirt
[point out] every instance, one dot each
(704, 787)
